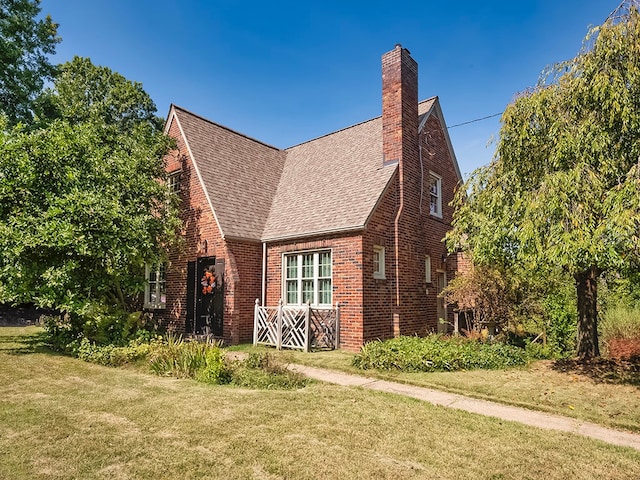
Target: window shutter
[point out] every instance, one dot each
(191, 297)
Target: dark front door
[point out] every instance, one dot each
(206, 284)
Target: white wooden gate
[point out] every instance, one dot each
(301, 327)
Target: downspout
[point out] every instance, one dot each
(396, 232)
(264, 271)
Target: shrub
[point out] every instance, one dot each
(98, 324)
(561, 311)
(437, 353)
(215, 369)
(110, 355)
(263, 371)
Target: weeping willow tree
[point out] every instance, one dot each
(563, 190)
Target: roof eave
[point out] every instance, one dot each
(317, 233)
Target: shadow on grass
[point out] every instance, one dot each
(603, 370)
(25, 344)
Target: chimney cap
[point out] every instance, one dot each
(399, 45)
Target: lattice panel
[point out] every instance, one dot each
(300, 327)
(323, 328)
(293, 327)
(267, 323)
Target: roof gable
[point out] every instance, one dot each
(327, 185)
(239, 174)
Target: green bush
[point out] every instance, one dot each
(560, 308)
(98, 324)
(215, 370)
(263, 371)
(437, 353)
(110, 355)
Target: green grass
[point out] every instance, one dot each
(61, 418)
(597, 395)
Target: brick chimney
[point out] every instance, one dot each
(399, 105)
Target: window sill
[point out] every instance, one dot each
(379, 276)
(149, 306)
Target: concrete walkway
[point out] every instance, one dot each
(482, 407)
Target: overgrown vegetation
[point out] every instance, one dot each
(436, 353)
(620, 322)
(170, 355)
(563, 190)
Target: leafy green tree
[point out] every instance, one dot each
(25, 43)
(83, 204)
(563, 190)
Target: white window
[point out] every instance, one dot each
(427, 268)
(173, 181)
(435, 194)
(155, 292)
(307, 278)
(378, 262)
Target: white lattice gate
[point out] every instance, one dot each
(301, 327)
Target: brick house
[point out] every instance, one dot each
(356, 217)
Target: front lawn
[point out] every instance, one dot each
(595, 393)
(61, 418)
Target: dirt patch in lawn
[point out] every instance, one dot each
(605, 370)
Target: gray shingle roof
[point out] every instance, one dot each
(331, 183)
(239, 173)
(258, 192)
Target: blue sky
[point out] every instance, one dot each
(286, 72)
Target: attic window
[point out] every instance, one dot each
(435, 194)
(173, 181)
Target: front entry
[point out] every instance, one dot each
(205, 296)
(441, 283)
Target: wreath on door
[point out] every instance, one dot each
(208, 282)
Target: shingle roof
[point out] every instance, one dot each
(240, 174)
(258, 192)
(332, 183)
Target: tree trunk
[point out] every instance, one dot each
(587, 290)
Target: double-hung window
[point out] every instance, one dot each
(307, 278)
(378, 262)
(155, 294)
(435, 194)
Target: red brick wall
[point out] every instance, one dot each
(244, 265)
(379, 294)
(399, 103)
(346, 257)
(417, 233)
(242, 259)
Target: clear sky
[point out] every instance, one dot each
(286, 72)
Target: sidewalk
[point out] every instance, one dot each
(482, 407)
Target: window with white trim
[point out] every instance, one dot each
(427, 269)
(307, 278)
(378, 262)
(173, 181)
(155, 292)
(435, 194)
